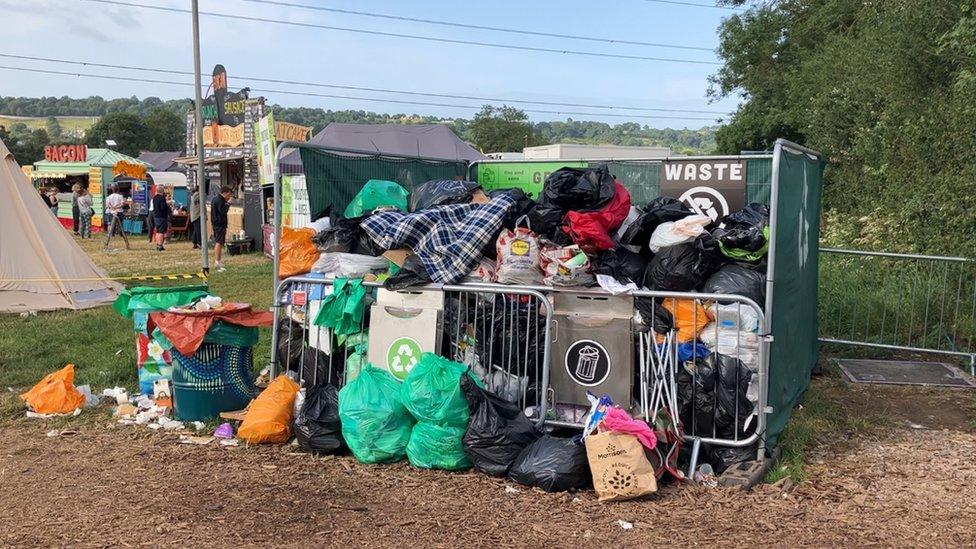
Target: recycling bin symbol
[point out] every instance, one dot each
(402, 356)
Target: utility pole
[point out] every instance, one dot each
(198, 129)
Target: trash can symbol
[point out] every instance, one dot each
(586, 363)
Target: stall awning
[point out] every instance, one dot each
(59, 170)
(192, 160)
(169, 179)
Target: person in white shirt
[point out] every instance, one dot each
(113, 206)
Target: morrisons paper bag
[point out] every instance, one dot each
(620, 469)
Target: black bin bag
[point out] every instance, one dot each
(657, 211)
(738, 280)
(553, 464)
(497, 431)
(578, 190)
(440, 192)
(317, 425)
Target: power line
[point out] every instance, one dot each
(693, 4)
(410, 36)
(331, 96)
(362, 88)
(478, 27)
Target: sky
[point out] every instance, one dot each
(81, 30)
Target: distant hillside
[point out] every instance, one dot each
(77, 115)
(71, 126)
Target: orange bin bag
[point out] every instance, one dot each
(268, 418)
(56, 393)
(689, 318)
(298, 253)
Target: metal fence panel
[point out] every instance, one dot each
(897, 301)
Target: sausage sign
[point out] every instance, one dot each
(709, 187)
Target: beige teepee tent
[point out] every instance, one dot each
(41, 267)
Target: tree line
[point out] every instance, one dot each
(151, 123)
(886, 90)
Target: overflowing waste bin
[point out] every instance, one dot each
(212, 353)
(153, 361)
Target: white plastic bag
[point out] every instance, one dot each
(343, 265)
(567, 266)
(733, 343)
(518, 257)
(733, 316)
(678, 232)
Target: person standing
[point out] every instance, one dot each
(46, 197)
(75, 189)
(114, 203)
(85, 213)
(160, 216)
(52, 200)
(218, 220)
(195, 217)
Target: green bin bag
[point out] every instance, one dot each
(375, 424)
(377, 193)
(342, 310)
(156, 299)
(432, 391)
(435, 446)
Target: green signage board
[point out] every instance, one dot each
(527, 176)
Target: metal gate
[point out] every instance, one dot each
(906, 302)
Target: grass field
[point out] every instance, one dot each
(70, 125)
(99, 342)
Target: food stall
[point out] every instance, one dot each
(94, 169)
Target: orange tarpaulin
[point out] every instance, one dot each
(186, 330)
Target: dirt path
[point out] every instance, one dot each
(124, 486)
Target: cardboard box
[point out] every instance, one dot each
(593, 348)
(398, 256)
(402, 325)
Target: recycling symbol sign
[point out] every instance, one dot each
(401, 356)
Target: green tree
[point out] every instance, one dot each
(886, 90)
(128, 131)
(53, 127)
(501, 129)
(167, 131)
(28, 147)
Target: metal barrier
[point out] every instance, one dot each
(501, 332)
(505, 333)
(907, 302)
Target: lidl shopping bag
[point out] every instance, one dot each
(619, 467)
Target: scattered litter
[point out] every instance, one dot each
(35, 415)
(28, 314)
(56, 433)
(705, 476)
(224, 431)
(233, 442)
(90, 399)
(154, 426)
(124, 410)
(119, 352)
(511, 490)
(187, 439)
(625, 525)
(198, 425)
(170, 424)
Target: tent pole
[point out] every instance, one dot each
(198, 127)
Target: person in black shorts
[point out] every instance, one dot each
(218, 221)
(160, 217)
